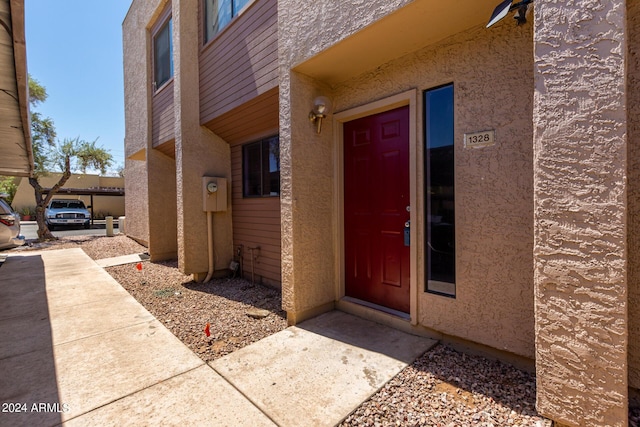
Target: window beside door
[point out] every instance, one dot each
(218, 14)
(162, 55)
(261, 168)
(439, 191)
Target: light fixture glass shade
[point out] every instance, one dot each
(322, 105)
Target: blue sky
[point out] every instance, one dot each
(74, 49)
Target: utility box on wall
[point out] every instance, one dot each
(214, 194)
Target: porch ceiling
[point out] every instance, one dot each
(16, 158)
(419, 24)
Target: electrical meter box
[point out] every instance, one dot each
(214, 194)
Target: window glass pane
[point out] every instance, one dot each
(238, 5)
(261, 168)
(218, 14)
(439, 191)
(163, 55)
(272, 167)
(252, 169)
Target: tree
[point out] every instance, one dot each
(49, 154)
(9, 187)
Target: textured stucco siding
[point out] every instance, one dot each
(199, 152)
(633, 168)
(137, 101)
(306, 201)
(136, 201)
(307, 28)
(494, 185)
(580, 218)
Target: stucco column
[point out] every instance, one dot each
(307, 201)
(161, 173)
(580, 251)
(198, 151)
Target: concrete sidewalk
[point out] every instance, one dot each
(77, 349)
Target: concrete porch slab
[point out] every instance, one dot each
(318, 372)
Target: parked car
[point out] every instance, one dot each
(9, 226)
(64, 212)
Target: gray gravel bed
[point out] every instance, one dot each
(185, 307)
(447, 388)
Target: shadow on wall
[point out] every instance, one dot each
(28, 383)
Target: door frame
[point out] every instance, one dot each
(409, 98)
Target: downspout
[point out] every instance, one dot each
(210, 246)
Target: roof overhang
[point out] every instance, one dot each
(16, 151)
(410, 28)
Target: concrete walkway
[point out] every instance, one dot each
(77, 349)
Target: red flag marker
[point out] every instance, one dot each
(139, 266)
(206, 330)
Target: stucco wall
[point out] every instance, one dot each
(633, 168)
(307, 159)
(307, 28)
(494, 303)
(162, 207)
(494, 234)
(137, 71)
(199, 153)
(580, 154)
(307, 204)
(136, 202)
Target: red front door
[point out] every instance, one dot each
(376, 208)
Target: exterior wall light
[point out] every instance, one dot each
(507, 6)
(321, 107)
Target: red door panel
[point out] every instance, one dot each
(376, 190)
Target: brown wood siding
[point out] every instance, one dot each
(168, 148)
(241, 63)
(163, 118)
(256, 222)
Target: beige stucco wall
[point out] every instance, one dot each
(308, 28)
(199, 153)
(493, 187)
(137, 71)
(580, 154)
(494, 303)
(162, 207)
(633, 168)
(114, 205)
(309, 264)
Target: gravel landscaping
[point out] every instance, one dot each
(443, 387)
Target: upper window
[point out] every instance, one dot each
(218, 13)
(261, 168)
(162, 55)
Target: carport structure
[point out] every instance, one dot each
(87, 192)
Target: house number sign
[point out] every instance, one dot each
(479, 139)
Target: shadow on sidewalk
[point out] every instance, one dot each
(28, 383)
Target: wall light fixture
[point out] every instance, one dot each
(321, 107)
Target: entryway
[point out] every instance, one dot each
(377, 209)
